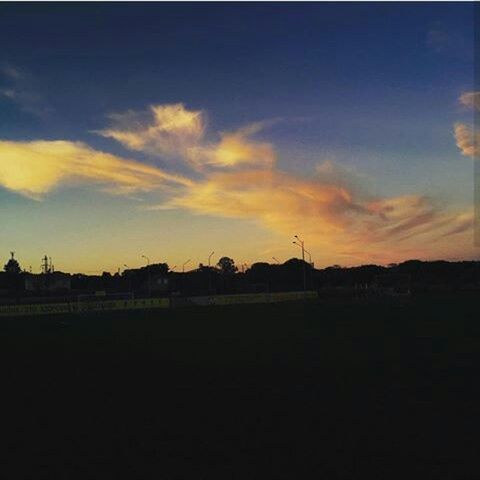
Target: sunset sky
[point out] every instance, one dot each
(175, 130)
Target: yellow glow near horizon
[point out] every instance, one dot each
(236, 178)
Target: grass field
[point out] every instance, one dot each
(318, 390)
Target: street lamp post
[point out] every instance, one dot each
(129, 279)
(309, 256)
(209, 274)
(209, 258)
(302, 246)
(183, 271)
(149, 276)
(311, 265)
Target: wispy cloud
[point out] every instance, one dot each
(164, 130)
(333, 217)
(237, 176)
(19, 87)
(444, 40)
(10, 72)
(467, 139)
(438, 38)
(236, 149)
(461, 223)
(466, 136)
(471, 100)
(35, 168)
(174, 132)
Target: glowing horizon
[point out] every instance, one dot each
(364, 177)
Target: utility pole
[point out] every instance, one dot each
(44, 266)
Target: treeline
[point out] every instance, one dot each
(293, 275)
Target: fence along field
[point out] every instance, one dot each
(147, 303)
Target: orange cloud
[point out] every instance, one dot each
(471, 99)
(335, 220)
(467, 140)
(35, 168)
(237, 177)
(175, 132)
(169, 130)
(234, 150)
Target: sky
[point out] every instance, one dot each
(170, 131)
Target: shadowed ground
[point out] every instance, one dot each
(318, 390)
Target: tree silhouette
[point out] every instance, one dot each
(12, 266)
(227, 266)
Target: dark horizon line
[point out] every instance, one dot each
(240, 270)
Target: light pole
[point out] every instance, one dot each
(302, 246)
(209, 273)
(149, 278)
(307, 252)
(309, 256)
(209, 258)
(129, 280)
(183, 271)
(310, 262)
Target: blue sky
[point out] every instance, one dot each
(371, 88)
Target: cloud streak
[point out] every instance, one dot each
(20, 90)
(36, 168)
(471, 100)
(330, 215)
(174, 132)
(467, 137)
(164, 130)
(237, 176)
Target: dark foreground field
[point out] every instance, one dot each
(325, 390)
